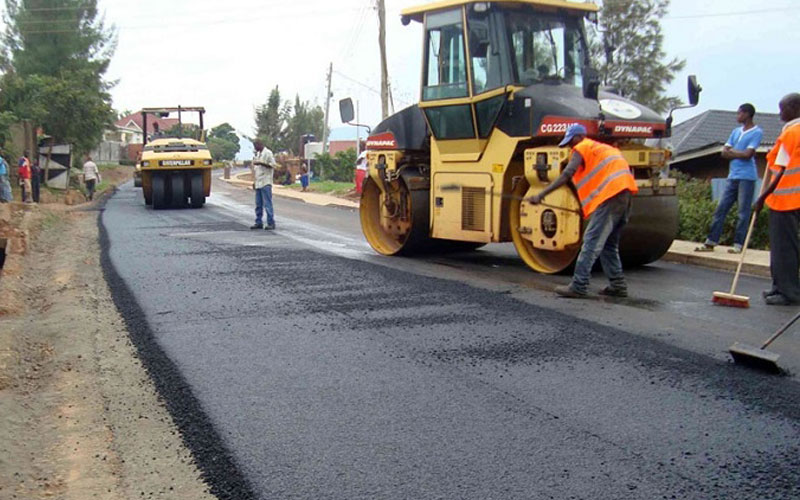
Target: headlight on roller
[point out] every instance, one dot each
(146, 163)
(206, 162)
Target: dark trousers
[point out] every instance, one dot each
(784, 253)
(90, 188)
(35, 187)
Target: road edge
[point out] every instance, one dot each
(213, 458)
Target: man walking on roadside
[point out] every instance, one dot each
(5, 185)
(263, 168)
(783, 199)
(740, 149)
(91, 176)
(605, 186)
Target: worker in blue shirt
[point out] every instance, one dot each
(740, 187)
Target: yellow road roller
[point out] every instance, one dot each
(175, 172)
(501, 82)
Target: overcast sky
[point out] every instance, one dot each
(227, 56)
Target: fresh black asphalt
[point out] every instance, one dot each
(296, 373)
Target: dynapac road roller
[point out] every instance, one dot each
(501, 82)
(175, 171)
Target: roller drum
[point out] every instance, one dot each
(651, 230)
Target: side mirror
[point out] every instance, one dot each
(694, 90)
(346, 110)
(591, 83)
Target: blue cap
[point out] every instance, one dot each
(572, 131)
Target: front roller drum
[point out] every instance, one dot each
(399, 226)
(651, 230)
(540, 260)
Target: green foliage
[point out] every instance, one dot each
(54, 56)
(188, 130)
(340, 167)
(280, 125)
(696, 209)
(627, 50)
(223, 142)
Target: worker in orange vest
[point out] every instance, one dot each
(783, 199)
(605, 186)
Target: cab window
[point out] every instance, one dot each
(445, 68)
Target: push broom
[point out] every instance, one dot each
(731, 299)
(760, 357)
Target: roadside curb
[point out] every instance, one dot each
(720, 264)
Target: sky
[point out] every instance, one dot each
(227, 56)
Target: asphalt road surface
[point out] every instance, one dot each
(299, 364)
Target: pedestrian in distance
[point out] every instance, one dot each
(91, 176)
(304, 178)
(740, 186)
(24, 173)
(263, 169)
(36, 179)
(782, 196)
(5, 186)
(605, 187)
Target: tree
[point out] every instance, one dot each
(223, 142)
(306, 119)
(54, 56)
(627, 50)
(271, 121)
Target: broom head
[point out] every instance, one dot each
(761, 359)
(730, 299)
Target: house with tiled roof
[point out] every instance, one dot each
(697, 143)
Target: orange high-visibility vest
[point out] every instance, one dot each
(787, 194)
(603, 175)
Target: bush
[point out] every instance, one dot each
(340, 168)
(696, 209)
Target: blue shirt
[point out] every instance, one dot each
(3, 167)
(741, 140)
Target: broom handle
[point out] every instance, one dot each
(779, 332)
(749, 232)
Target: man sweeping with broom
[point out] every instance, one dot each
(783, 198)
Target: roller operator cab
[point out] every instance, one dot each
(501, 82)
(174, 172)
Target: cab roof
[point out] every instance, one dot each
(416, 13)
(163, 141)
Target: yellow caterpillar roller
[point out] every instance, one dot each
(501, 82)
(175, 172)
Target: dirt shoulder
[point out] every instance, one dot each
(80, 416)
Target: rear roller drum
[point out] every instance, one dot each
(397, 223)
(178, 196)
(543, 261)
(159, 189)
(651, 230)
(196, 190)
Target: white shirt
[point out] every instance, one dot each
(90, 171)
(262, 166)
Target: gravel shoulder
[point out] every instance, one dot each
(80, 416)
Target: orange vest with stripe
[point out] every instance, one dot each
(787, 194)
(603, 175)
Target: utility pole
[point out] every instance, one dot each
(384, 71)
(327, 109)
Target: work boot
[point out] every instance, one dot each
(777, 299)
(767, 293)
(569, 292)
(269, 227)
(614, 291)
(256, 226)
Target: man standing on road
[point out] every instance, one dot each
(605, 185)
(263, 168)
(783, 198)
(741, 184)
(5, 185)
(91, 176)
